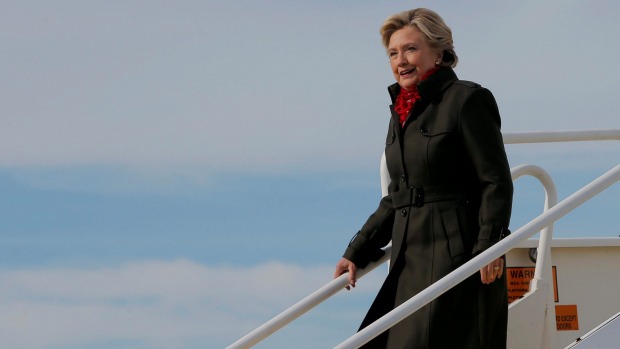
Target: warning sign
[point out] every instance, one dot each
(518, 280)
(566, 318)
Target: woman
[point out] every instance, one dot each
(449, 198)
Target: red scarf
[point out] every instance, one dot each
(407, 98)
(404, 103)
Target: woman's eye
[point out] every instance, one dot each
(392, 54)
(411, 49)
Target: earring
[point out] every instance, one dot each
(438, 63)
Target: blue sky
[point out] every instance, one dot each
(173, 174)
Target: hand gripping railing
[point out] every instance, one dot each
(475, 264)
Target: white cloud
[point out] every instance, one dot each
(155, 304)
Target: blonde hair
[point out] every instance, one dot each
(437, 33)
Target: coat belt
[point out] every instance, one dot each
(420, 195)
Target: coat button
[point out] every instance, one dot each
(403, 213)
(424, 130)
(402, 178)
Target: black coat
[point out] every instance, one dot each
(449, 198)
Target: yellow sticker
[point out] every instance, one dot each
(566, 318)
(518, 282)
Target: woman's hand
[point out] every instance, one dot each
(346, 266)
(492, 272)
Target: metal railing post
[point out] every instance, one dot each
(543, 271)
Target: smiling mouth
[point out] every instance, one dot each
(407, 72)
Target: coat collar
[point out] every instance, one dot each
(430, 87)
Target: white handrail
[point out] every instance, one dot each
(338, 284)
(561, 136)
(304, 305)
(475, 264)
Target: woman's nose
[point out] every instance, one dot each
(401, 59)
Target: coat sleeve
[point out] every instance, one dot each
(479, 127)
(366, 245)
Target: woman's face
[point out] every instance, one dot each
(411, 57)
